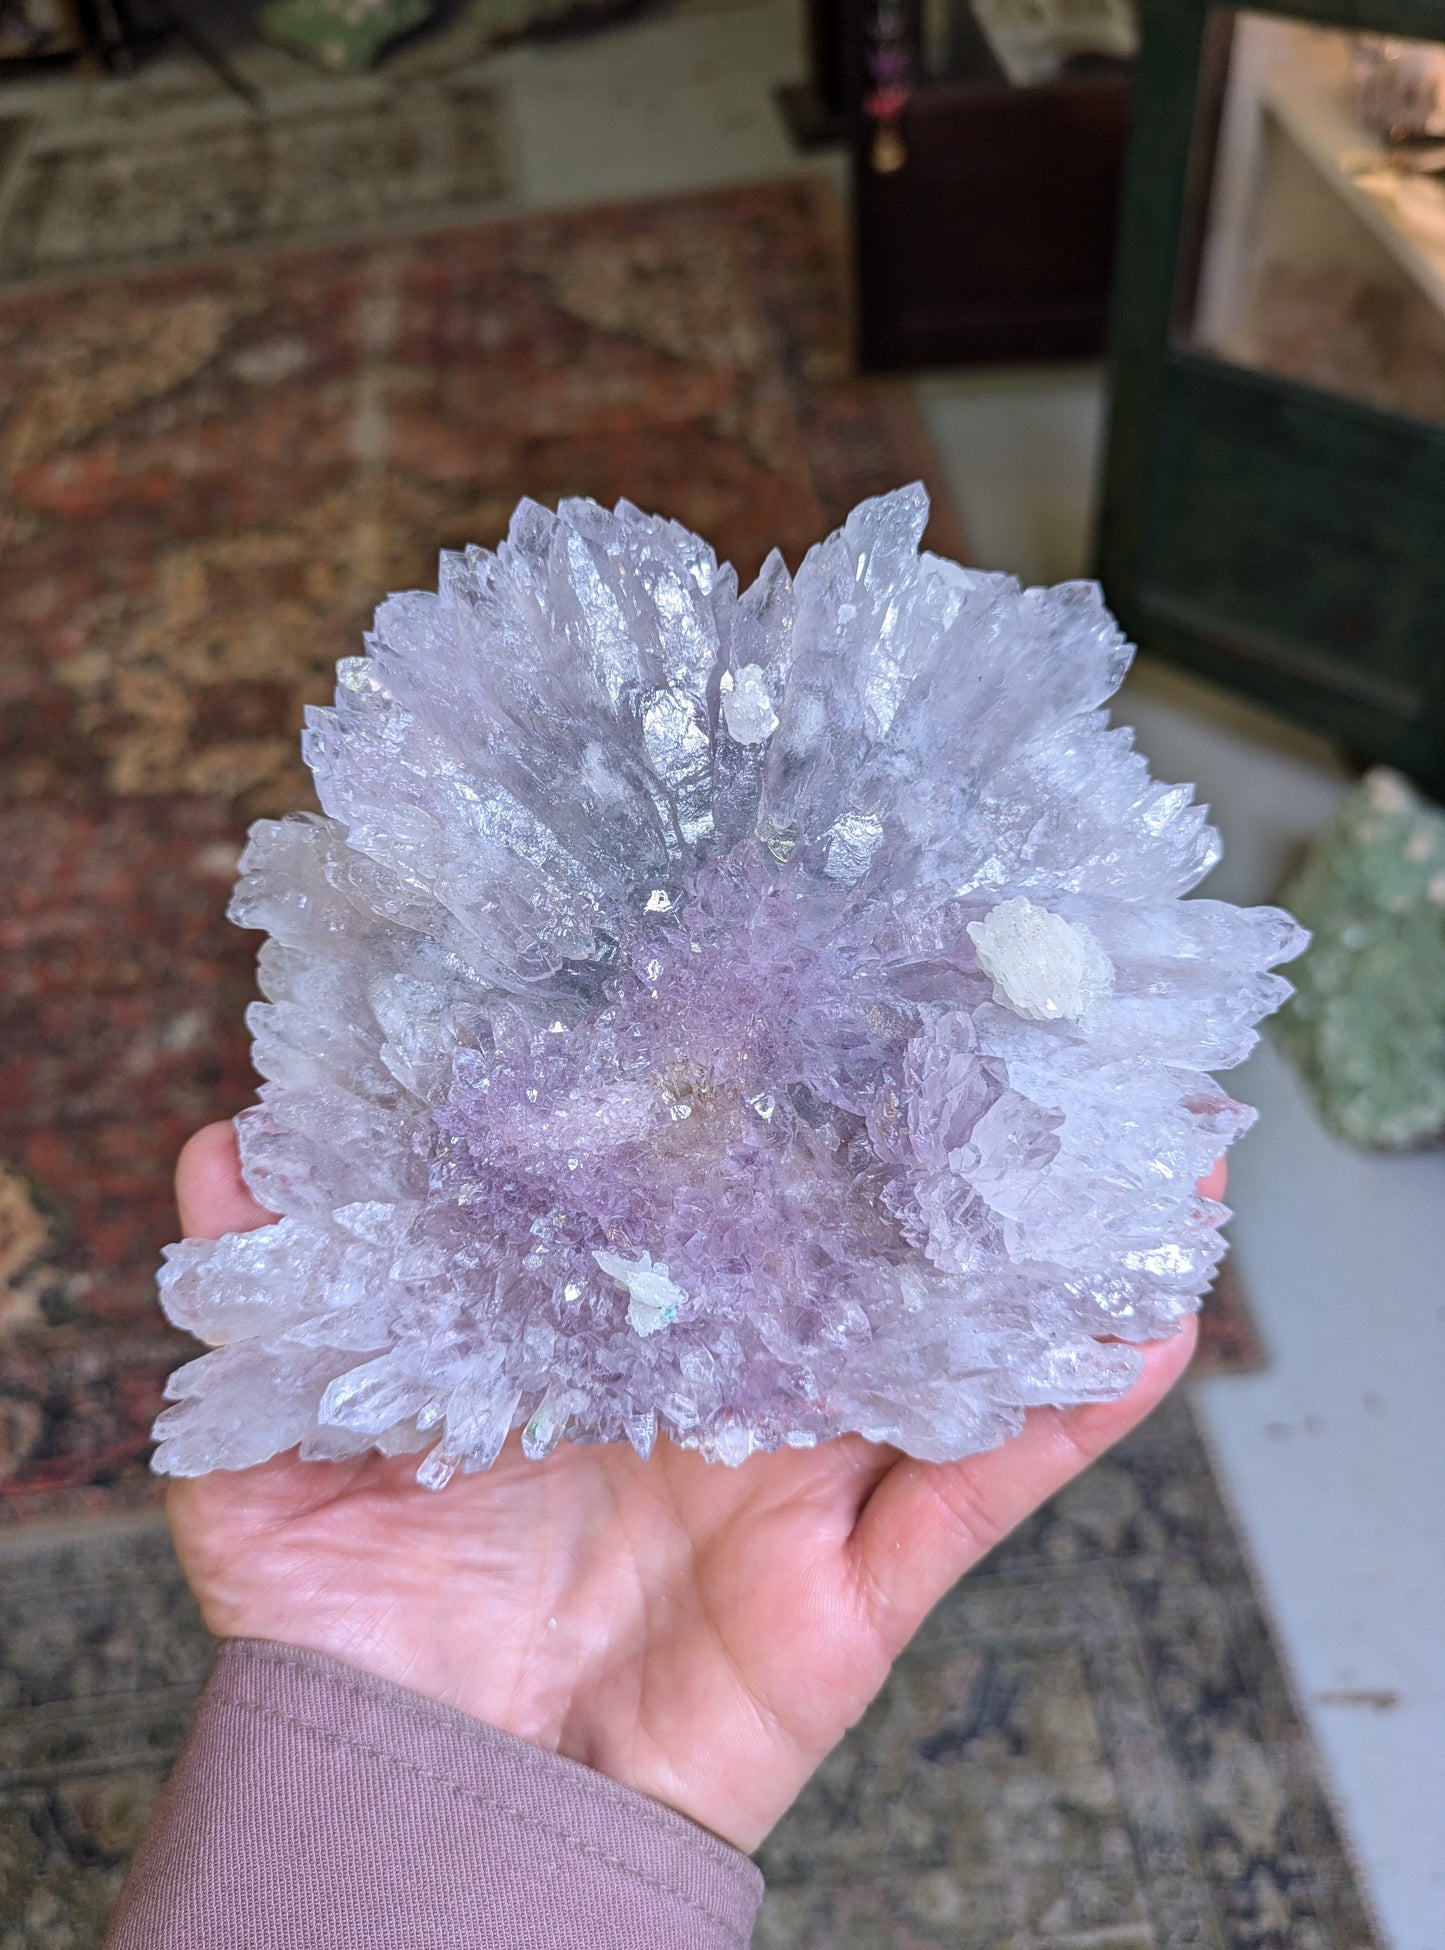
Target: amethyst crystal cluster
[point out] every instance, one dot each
(739, 1017)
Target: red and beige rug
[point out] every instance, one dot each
(209, 474)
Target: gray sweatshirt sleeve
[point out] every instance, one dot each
(314, 1807)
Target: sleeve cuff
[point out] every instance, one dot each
(314, 1805)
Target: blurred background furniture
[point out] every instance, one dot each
(988, 142)
(815, 109)
(118, 34)
(1275, 479)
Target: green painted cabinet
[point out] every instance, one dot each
(1273, 509)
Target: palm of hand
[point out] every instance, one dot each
(704, 1635)
(701, 1634)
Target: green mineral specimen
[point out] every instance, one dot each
(342, 35)
(1367, 1024)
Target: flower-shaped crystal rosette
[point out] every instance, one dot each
(744, 1017)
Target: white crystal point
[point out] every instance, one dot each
(655, 1298)
(1044, 968)
(747, 704)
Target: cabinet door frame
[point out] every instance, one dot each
(1172, 406)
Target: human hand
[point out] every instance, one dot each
(701, 1634)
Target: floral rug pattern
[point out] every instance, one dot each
(209, 476)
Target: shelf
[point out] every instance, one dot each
(1330, 137)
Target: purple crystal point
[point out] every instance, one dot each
(745, 1017)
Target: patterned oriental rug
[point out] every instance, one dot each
(166, 172)
(1090, 1746)
(209, 475)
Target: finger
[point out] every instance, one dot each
(928, 1523)
(210, 1191)
(1215, 1185)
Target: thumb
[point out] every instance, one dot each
(210, 1190)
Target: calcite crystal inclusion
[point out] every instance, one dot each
(742, 1018)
